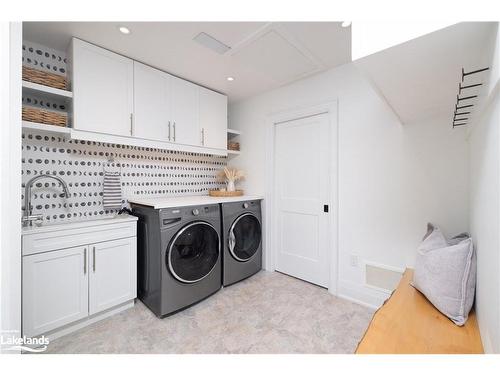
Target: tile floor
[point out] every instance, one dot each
(267, 313)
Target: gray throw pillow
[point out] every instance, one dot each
(445, 272)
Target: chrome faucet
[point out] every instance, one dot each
(28, 217)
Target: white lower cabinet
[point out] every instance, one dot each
(55, 289)
(113, 276)
(63, 286)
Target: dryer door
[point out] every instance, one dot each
(193, 252)
(244, 237)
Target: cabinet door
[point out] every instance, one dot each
(213, 118)
(113, 273)
(102, 83)
(55, 289)
(152, 117)
(186, 128)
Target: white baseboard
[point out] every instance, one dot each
(370, 297)
(70, 328)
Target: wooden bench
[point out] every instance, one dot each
(408, 323)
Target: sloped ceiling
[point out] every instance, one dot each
(419, 79)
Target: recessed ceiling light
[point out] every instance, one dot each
(124, 30)
(346, 23)
(230, 78)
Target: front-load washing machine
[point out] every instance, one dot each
(178, 257)
(242, 240)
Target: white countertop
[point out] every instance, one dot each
(112, 219)
(190, 200)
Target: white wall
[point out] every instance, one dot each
(484, 143)
(392, 178)
(10, 179)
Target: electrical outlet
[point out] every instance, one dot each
(354, 260)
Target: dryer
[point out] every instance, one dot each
(178, 256)
(242, 240)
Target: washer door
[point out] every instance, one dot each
(193, 252)
(244, 237)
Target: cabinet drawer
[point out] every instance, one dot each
(41, 242)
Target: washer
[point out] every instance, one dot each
(242, 249)
(178, 257)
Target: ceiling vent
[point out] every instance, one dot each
(211, 43)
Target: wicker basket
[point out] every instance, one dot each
(224, 193)
(233, 146)
(45, 78)
(43, 116)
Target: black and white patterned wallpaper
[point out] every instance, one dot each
(42, 58)
(39, 57)
(145, 172)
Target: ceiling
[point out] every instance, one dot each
(262, 55)
(419, 79)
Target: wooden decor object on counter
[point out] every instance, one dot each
(408, 323)
(45, 78)
(225, 193)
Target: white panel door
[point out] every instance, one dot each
(213, 119)
(302, 182)
(185, 113)
(55, 289)
(102, 83)
(152, 116)
(113, 273)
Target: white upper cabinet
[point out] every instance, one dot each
(213, 119)
(152, 103)
(102, 84)
(185, 117)
(118, 100)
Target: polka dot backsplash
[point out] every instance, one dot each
(145, 172)
(40, 57)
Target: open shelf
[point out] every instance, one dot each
(47, 91)
(233, 132)
(46, 128)
(232, 152)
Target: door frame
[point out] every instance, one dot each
(331, 109)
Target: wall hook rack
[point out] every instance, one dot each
(460, 121)
(465, 74)
(460, 87)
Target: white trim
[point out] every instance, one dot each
(72, 327)
(363, 295)
(331, 108)
(46, 128)
(132, 141)
(233, 132)
(47, 90)
(358, 302)
(10, 174)
(384, 266)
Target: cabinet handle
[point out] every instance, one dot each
(131, 124)
(169, 130)
(203, 136)
(93, 265)
(85, 261)
(174, 131)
